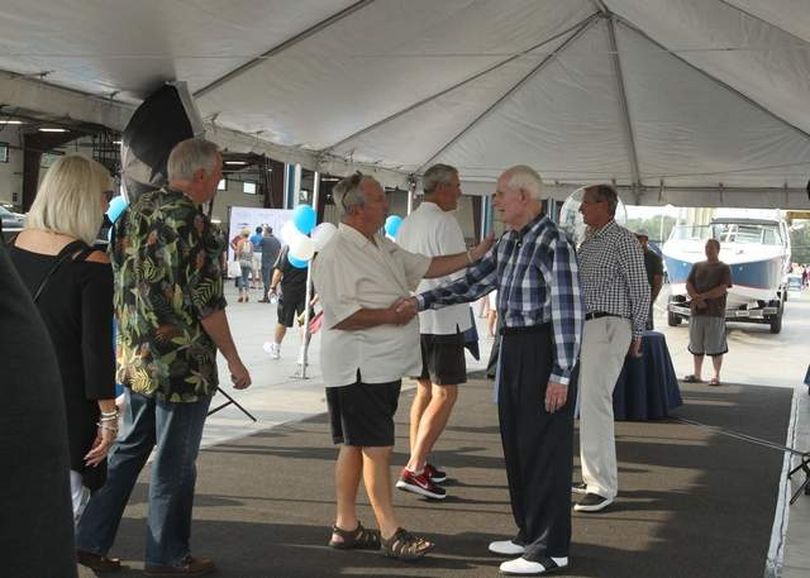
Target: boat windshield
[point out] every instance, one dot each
(691, 233)
(747, 234)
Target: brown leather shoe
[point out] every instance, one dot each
(98, 562)
(191, 567)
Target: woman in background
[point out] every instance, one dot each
(72, 285)
(244, 254)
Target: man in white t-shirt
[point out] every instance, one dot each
(367, 344)
(432, 229)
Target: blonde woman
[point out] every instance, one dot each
(72, 285)
(244, 254)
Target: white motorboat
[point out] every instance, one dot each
(756, 249)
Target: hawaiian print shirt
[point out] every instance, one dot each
(168, 276)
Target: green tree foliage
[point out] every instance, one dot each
(655, 226)
(800, 242)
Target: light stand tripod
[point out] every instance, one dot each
(805, 467)
(229, 402)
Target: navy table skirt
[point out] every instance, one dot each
(647, 387)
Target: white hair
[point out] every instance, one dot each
(69, 198)
(525, 178)
(348, 193)
(437, 175)
(189, 156)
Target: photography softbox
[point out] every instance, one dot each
(164, 119)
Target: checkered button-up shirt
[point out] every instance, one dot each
(611, 264)
(535, 273)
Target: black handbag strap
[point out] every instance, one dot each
(61, 257)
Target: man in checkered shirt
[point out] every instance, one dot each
(617, 301)
(534, 269)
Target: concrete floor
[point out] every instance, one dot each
(755, 357)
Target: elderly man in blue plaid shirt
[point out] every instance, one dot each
(617, 299)
(534, 269)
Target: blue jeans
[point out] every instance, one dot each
(176, 430)
(243, 281)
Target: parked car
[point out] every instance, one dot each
(794, 282)
(11, 220)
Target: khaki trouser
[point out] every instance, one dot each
(605, 342)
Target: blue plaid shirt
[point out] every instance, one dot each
(535, 273)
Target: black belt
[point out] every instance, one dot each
(525, 330)
(598, 314)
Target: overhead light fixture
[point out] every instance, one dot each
(10, 121)
(238, 163)
(52, 129)
(118, 142)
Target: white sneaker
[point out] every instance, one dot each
(523, 567)
(506, 548)
(273, 349)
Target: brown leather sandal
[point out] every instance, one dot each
(358, 539)
(405, 546)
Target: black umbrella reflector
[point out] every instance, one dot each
(164, 119)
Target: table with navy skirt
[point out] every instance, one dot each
(647, 387)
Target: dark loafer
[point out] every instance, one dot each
(191, 567)
(98, 562)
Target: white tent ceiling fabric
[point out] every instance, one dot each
(700, 102)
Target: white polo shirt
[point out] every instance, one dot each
(431, 231)
(352, 273)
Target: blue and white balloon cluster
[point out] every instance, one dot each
(304, 237)
(116, 208)
(392, 225)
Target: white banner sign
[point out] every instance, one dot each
(252, 217)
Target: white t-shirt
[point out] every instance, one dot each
(352, 273)
(431, 231)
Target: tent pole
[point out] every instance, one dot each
(628, 125)
(304, 356)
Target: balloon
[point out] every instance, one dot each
(392, 224)
(117, 206)
(304, 218)
(302, 248)
(297, 263)
(289, 232)
(322, 234)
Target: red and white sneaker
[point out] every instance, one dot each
(420, 484)
(437, 476)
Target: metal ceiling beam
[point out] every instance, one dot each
(312, 30)
(585, 25)
(476, 76)
(601, 6)
(714, 79)
(625, 108)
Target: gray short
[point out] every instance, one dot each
(707, 335)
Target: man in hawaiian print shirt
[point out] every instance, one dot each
(171, 317)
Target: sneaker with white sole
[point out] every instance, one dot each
(506, 548)
(592, 503)
(275, 351)
(420, 484)
(523, 567)
(579, 488)
(435, 474)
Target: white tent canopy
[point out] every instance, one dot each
(690, 102)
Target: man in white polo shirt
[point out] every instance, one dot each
(366, 348)
(432, 229)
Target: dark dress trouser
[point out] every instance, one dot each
(537, 445)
